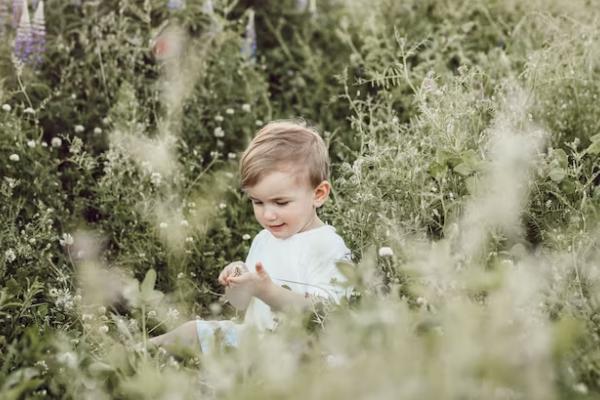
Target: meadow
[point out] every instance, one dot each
(464, 137)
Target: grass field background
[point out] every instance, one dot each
(464, 137)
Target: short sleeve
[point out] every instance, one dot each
(322, 275)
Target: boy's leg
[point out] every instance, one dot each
(184, 336)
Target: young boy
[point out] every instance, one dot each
(284, 171)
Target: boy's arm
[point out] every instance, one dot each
(262, 287)
(281, 299)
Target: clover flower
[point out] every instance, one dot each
(9, 255)
(56, 142)
(67, 240)
(14, 157)
(246, 107)
(230, 111)
(245, 236)
(6, 107)
(79, 128)
(219, 132)
(31, 144)
(385, 252)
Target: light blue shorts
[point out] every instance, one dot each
(217, 333)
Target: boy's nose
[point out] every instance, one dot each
(269, 214)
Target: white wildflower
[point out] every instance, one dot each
(580, 388)
(31, 144)
(97, 130)
(11, 182)
(42, 364)
(29, 110)
(6, 107)
(258, 122)
(151, 314)
(103, 329)
(230, 111)
(156, 178)
(222, 206)
(67, 240)
(73, 96)
(245, 236)
(86, 317)
(44, 144)
(386, 252)
(172, 314)
(180, 275)
(56, 142)
(231, 156)
(67, 358)
(219, 118)
(9, 255)
(79, 128)
(189, 239)
(219, 132)
(14, 157)
(163, 225)
(246, 107)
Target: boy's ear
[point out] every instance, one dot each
(321, 193)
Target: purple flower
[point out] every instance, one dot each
(3, 16)
(249, 45)
(176, 4)
(22, 45)
(38, 35)
(17, 11)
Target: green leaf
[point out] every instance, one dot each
(557, 174)
(437, 170)
(594, 148)
(149, 281)
(463, 169)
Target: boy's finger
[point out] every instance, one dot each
(260, 269)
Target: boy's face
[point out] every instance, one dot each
(285, 203)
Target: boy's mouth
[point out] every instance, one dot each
(276, 226)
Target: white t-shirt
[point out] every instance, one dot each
(305, 262)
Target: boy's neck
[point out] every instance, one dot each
(313, 224)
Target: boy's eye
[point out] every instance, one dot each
(256, 202)
(282, 203)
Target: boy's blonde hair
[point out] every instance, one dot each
(284, 142)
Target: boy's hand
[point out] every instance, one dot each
(233, 269)
(257, 283)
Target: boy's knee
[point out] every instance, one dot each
(189, 326)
